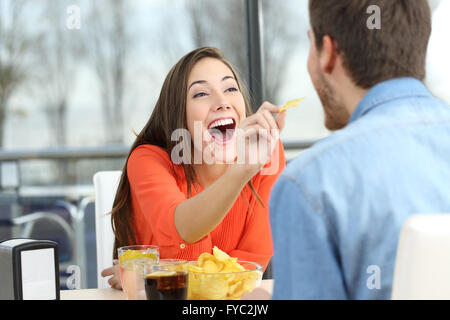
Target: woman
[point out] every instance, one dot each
(204, 191)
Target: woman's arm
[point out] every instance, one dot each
(255, 243)
(199, 215)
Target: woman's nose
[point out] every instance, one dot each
(222, 106)
(220, 101)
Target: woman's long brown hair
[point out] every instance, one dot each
(168, 115)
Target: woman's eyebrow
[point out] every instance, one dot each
(228, 77)
(204, 81)
(197, 82)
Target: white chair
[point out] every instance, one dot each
(105, 187)
(422, 266)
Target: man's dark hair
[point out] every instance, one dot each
(397, 49)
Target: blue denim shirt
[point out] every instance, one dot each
(337, 210)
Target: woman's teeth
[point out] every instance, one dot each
(222, 131)
(219, 123)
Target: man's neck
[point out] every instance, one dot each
(351, 95)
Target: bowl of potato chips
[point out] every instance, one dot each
(218, 276)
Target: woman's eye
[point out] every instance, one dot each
(232, 89)
(200, 94)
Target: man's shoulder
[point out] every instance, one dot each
(353, 147)
(329, 153)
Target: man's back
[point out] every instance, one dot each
(338, 209)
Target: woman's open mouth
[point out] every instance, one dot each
(222, 130)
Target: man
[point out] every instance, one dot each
(337, 210)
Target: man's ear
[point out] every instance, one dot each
(328, 54)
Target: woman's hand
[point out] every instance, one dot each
(260, 132)
(113, 271)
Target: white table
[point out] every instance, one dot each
(263, 292)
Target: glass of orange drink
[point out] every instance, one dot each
(131, 259)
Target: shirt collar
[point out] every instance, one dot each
(389, 90)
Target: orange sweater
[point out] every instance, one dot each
(158, 187)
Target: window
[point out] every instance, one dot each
(286, 48)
